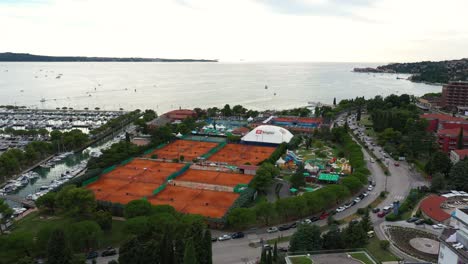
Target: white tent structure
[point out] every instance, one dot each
(268, 134)
(280, 161)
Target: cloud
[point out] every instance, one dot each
(336, 8)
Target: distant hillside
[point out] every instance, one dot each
(8, 56)
(427, 71)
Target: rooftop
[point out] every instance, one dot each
(431, 207)
(461, 152)
(442, 117)
(450, 131)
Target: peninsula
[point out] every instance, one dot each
(426, 71)
(26, 57)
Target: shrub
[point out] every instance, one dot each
(154, 156)
(392, 217)
(361, 211)
(384, 244)
(382, 194)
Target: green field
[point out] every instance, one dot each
(301, 260)
(377, 252)
(362, 257)
(35, 222)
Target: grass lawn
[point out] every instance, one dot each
(35, 222)
(301, 260)
(279, 240)
(362, 257)
(380, 254)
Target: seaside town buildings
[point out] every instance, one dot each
(455, 94)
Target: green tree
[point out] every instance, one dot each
(189, 255)
(137, 208)
(333, 239)
(241, 218)
(5, 213)
(264, 177)
(84, 235)
(47, 201)
(439, 162)
(131, 252)
(208, 255)
(306, 238)
(366, 222)
(103, 219)
(265, 212)
(460, 143)
(75, 202)
(355, 236)
(458, 176)
(226, 111)
(58, 250)
(438, 182)
(275, 252)
(352, 183)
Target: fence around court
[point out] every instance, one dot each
(96, 178)
(214, 150)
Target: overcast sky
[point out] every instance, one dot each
(231, 30)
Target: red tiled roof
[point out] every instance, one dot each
(442, 117)
(462, 153)
(248, 167)
(430, 206)
(450, 131)
(241, 130)
(181, 112)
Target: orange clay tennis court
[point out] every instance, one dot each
(187, 148)
(239, 154)
(215, 177)
(133, 180)
(186, 200)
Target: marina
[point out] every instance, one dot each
(64, 119)
(29, 186)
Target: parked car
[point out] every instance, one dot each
(420, 222)
(396, 164)
(357, 200)
(361, 196)
(376, 210)
(214, 239)
(267, 246)
(314, 219)
(237, 235)
(438, 226)
(110, 251)
(365, 194)
(412, 219)
(340, 209)
(92, 255)
(306, 222)
(370, 188)
(347, 205)
(273, 229)
(283, 249)
(224, 237)
(293, 225)
(353, 203)
(381, 214)
(284, 227)
(324, 215)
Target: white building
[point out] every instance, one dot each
(458, 154)
(268, 134)
(454, 241)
